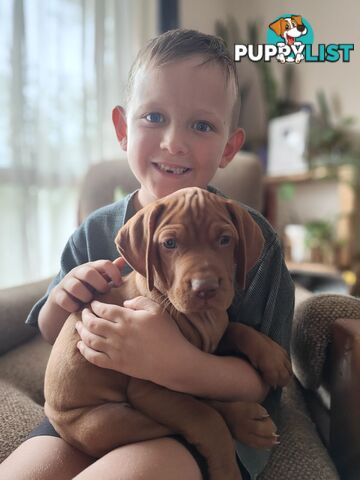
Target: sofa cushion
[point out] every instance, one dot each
(19, 414)
(301, 454)
(312, 333)
(24, 367)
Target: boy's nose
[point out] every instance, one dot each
(174, 142)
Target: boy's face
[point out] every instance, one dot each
(177, 128)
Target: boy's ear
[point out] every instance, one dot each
(119, 121)
(234, 144)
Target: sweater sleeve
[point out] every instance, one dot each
(267, 304)
(271, 295)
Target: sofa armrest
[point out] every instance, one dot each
(15, 305)
(345, 397)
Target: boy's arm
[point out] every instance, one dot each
(51, 319)
(140, 340)
(143, 342)
(51, 311)
(77, 288)
(215, 377)
(44, 315)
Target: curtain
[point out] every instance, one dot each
(63, 67)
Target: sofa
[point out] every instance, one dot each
(319, 424)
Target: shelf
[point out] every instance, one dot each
(340, 204)
(313, 269)
(317, 173)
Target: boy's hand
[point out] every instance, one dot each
(81, 284)
(138, 339)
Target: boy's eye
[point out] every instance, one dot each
(202, 126)
(154, 117)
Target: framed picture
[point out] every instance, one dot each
(288, 139)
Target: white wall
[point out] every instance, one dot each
(201, 14)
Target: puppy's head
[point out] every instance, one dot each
(190, 245)
(289, 28)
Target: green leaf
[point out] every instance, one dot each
(286, 191)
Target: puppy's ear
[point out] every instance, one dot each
(250, 243)
(135, 241)
(297, 19)
(276, 27)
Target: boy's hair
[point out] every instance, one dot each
(179, 44)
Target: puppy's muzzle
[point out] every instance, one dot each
(205, 287)
(301, 28)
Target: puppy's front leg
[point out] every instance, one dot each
(270, 358)
(198, 423)
(248, 422)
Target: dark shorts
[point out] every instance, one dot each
(45, 428)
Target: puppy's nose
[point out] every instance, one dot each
(205, 287)
(301, 28)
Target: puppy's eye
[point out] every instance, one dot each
(170, 243)
(224, 240)
(287, 27)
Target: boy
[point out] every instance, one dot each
(178, 128)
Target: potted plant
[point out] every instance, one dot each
(319, 241)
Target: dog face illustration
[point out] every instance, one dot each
(289, 28)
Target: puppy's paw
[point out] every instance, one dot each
(273, 362)
(251, 424)
(270, 358)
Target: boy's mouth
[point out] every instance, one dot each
(172, 170)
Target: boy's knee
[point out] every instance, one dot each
(158, 459)
(44, 458)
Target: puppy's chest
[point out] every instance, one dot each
(203, 329)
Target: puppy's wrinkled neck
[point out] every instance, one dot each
(203, 329)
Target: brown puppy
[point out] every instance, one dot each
(185, 250)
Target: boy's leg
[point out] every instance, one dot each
(49, 458)
(44, 458)
(159, 459)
